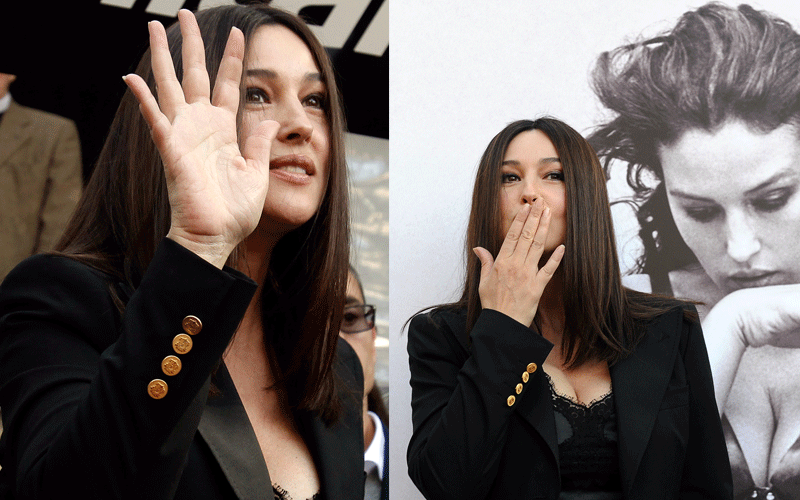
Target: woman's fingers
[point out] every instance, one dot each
(196, 87)
(545, 274)
(514, 232)
(226, 87)
(159, 124)
(548, 270)
(540, 227)
(258, 145)
(486, 260)
(170, 93)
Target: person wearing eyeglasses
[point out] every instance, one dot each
(358, 329)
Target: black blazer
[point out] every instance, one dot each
(469, 443)
(74, 378)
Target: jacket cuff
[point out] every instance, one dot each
(509, 355)
(176, 326)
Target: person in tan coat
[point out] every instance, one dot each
(40, 178)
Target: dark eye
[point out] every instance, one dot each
(703, 214)
(256, 95)
(509, 178)
(556, 175)
(315, 101)
(773, 200)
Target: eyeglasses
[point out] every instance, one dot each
(358, 318)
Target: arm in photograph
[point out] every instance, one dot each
(749, 317)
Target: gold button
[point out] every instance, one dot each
(511, 400)
(182, 343)
(157, 388)
(525, 377)
(519, 388)
(192, 325)
(531, 367)
(171, 365)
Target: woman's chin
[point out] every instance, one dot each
(285, 219)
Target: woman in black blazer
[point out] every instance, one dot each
(209, 214)
(548, 379)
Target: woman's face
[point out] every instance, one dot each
(734, 196)
(283, 83)
(531, 170)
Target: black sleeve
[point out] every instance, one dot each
(707, 470)
(460, 399)
(74, 375)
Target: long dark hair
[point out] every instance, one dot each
(125, 213)
(717, 64)
(603, 319)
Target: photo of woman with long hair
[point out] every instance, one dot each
(706, 122)
(548, 378)
(183, 339)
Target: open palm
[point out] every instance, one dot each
(216, 191)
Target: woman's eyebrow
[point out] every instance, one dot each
(777, 176)
(271, 74)
(542, 161)
(788, 172)
(680, 194)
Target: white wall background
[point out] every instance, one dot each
(460, 71)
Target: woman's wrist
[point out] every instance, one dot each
(214, 250)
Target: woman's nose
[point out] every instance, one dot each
(529, 194)
(742, 240)
(296, 126)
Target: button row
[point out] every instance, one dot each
(518, 389)
(171, 365)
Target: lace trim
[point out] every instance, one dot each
(575, 402)
(587, 443)
(282, 494)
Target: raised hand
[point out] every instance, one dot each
(216, 191)
(513, 283)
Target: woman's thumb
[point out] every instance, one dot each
(486, 259)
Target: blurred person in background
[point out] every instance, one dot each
(40, 178)
(358, 329)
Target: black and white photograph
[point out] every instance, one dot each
(694, 112)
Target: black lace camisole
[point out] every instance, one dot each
(281, 494)
(587, 448)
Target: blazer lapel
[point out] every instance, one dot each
(639, 383)
(226, 429)
(13, 130)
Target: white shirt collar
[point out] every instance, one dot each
(374, 453)
(5, 102)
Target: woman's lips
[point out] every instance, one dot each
(295, 169)
(753, 279)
